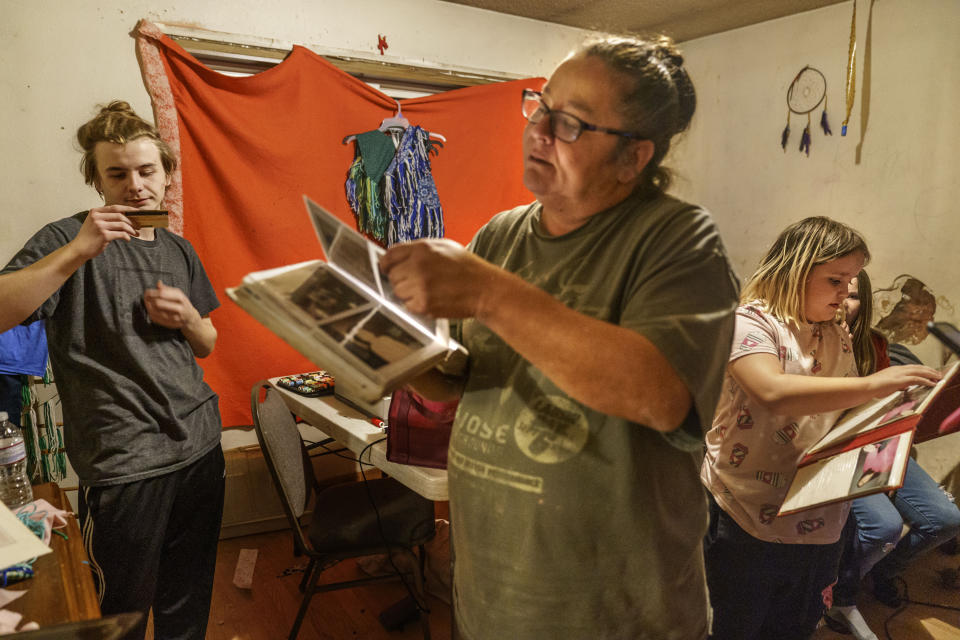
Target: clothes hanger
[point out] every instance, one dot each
(396, 122)
(433, 136)
(399, 121)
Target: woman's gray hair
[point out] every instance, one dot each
(657, 100)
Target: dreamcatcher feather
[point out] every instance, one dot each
(807, 92)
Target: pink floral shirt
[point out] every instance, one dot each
(752, 453)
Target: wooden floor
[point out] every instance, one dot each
(916, 621)
(266, 611)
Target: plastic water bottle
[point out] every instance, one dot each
(15, 489)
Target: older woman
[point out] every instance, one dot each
(598, 320)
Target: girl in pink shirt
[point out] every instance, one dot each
(791, 373)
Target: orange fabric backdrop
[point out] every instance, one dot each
(251, 147)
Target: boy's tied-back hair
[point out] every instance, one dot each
(117, 122)
(781, 279)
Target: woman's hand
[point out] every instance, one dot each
(440, 278)
(895, 378)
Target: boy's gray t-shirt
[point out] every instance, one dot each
(570, 523)
(135, 404)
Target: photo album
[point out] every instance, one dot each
(867, 450)
(343, 316)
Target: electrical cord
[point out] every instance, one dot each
(329, 451)
(905, 602)
(422, 608)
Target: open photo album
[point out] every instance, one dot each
(342, 314)
(867, 450)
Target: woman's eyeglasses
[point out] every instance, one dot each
(564, 126)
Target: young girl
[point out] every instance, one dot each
(870, 348)
(873, 540)
(791, 373)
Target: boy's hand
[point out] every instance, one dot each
(169, 307)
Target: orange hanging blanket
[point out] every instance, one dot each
(250, 147)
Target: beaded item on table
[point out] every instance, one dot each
(315, 383)
(33, 520)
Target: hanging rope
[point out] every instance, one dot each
(851, 69)
(42, 435)
(53, 461)
(29, 430)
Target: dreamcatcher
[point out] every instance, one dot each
(807, 91)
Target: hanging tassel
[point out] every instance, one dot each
(363, 194)
(851, 69)
(410, 193)
(44, 453)
(824, 124)
(805, 140)
(61, 457)
(786, 133)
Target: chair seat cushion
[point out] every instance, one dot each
(345, 521)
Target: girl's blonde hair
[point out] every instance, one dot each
(781, 279)
(863, 350)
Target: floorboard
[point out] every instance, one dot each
(916, 621)
(266, 611)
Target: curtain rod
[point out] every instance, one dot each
(257, 57)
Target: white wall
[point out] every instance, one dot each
(903, 191)
(60, 59)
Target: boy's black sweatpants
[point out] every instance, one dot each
(153, 544)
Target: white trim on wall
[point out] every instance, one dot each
(237, 54)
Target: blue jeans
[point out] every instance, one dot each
(873, 533)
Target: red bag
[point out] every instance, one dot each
(418, 430)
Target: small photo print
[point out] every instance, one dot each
(909, 402)
(324, 296)
(374, 338)
(904, 408)
(874, 465)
